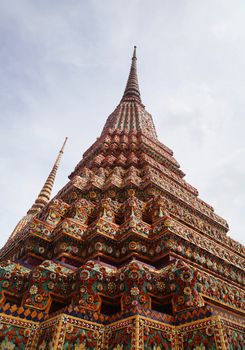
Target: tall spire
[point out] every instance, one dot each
(130, 115)
(132, 87)
(43, 197)
(45, 193)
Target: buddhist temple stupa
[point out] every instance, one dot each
(125, 256)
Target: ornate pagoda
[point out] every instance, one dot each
(125, 256)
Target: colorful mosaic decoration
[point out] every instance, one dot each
(125, 256)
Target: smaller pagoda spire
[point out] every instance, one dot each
(45, 193)
(132, 87)
(43, 197)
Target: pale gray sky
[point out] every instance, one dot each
(64, 66)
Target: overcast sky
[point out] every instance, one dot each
(63, 69)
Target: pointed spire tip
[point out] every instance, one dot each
(63, 146)
(132, 86)
(134, 53)
(45, 193)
